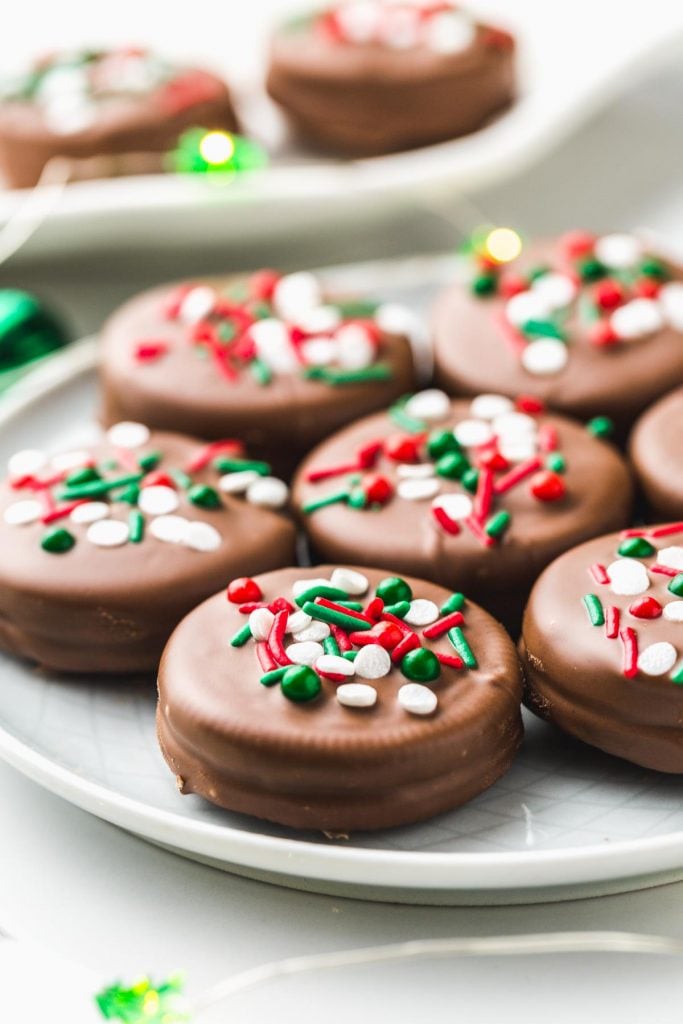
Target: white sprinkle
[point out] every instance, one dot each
(26, 462)
(23, 512)
(418, 490)
(319, 351)
(372, 662)
(618, 251)
(518, 449)
(637, 319)
(200, 536)
(472, 433)
(421, 612)
(356, 695)
(299, 586)
(417, 699)
(393, 318)
(269, 492)
(170, 529)
(69, 114)
(431, 405)
(128, 435)
(336, 664)
(273, 345)
(456, 506)
(314, 631)
(65, 461)
(529, 305)
(197, 304)
(238, 482)
(158, 500)
(358, 21)
(671, 557)
(449, 33)
(545, 356)
(296, 295)
(107, 533)
(628, 576)
(89, 512)
(514, 426)
(260, 623)
(298, 621)
(671, 301)
(657, 659)
(353, 583)
(356, 349)
(556, 290)
(306, 653)
(418, 471)
(673, 611)
(320, 320)
(399, 28)
(490, 407)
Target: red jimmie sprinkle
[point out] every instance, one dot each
(325, 472)
(666, 531)
(378, 489)
(148, 351)
(512, 284)
(204, 455)
(61, 511)
(410, 642)
(635, 532)
(444, 520)
(602, 334)
(451, 660)
(629, 642)
(516, 475)
(405, 629)
(369, 453)
(530, 404)
(577, 243)
(484, 495)
(375, 608)
(403, 447)
(612, 618)
(333, 677)
(548, 438)
(281, 604)
(442, 626)
(276, 638)
(386, 634)
(341, 636)
(646, 608)
(266, 660)
(664, 570)
(262, 284)
(475, 527)
(244, 589)
(157, 478)
(340, 608)
(599, 573)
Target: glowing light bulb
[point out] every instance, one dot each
(217, 147)
(503, 245)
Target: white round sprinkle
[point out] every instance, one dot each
(319, 351)
(354, 583)
(671, 301)
(618, 251)
(158, 500)
(319, 320)
(556, 290)
(399, 28)
(449, 33)
(544, 357)
(422, 612)
(268, 492)
(673, 611)
(260, 623)
(472, 433)
(297, 294)
(628, 576)
(26, 462)
(358, 21)
(90, 512)
(420, 471)
(637, 319)
(514, 426)
(299, 586)
(65, 461)
(355, 347)
(418, 490)
(201, 536)
(431, 405)
(306, 653)
(372, 662)
(356, 695)
(23, 512)
(456, 506)
(238, 482)
(314, 631)
(197, 304)
(273, 345)
(517, 449)
(298, 621)
(529, 305)
(107, 533)
(490, 407)
(671, 557)
(128, 435)
(335, 664)
(393, 318)
(417, 699)
(171, 529)
(657, 659)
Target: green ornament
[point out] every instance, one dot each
(636, 547)
(421, 666)
(57, 541)
(144, 1002)
(484, 284)
(393, 589)
(453, 465)
(470, 479)
(441, 442)
(600, 426)
(300, 684)
(204, 496)
(676, 585)
(592, 270)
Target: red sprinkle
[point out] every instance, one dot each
(664, 570)
(577, 243)
(475, 527)
(61, 511)
(548, 486)
(375, 608)
(599, 573)
(444, 520)
(276, 637)
(281, 604)
(340, 608)
(516, 475)
(378, 489)
(647, 288)
(369, 453)
(390, 617)
(609, 294)
(530, 404)
(204, 455)
(410, 642)
(314, 475)
(548, 438)
(666, 531)
(635, 532)
(341, 636)
(602, 334)
(244, 589)
(386, 634)
(646, 608)
(629, 642)
(451, 660)
(148, 351)
(442, 626)
(252, 606)
(511, 336)
(612, 618)
(157, 478)
(403, 447)
(512, 284)
(334, 677)
(262, 284)
(484, 495)
(266, 660)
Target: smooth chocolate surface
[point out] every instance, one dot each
(657, 457)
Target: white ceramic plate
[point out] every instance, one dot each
(566, 821)
(575, 57)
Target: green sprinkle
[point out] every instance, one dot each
(400, 609)
(204, 496)
(393, 589)
(470, 479)
(150, 461)
(321, 590)
(57, 541)
(136, 526)
(600, 426)
(261, 310)
(354, 606)
(108, 465)
(227, 330)
(270, 678)
(484, 284)
(350, 655)
(241, 636)
(259, 371)
(323, 614)
(676, 585)
(536, 272)
(330, 646)
(636, 547)
(441, 442)
(453, 604)
(453, 465)
(340, 377)
(356, 309)
(542, 329)
(401, 418)
(331, 499)
(498, 524)
(592, 270)
(654, 268)
(461, 646)
(96, 488)
(300, 683)
(593, 606)
(225, 465)
(421, 666)
(180, 478)
(130, 495)
(677, 677)
(556, 462)
(82, 476)
(358, 500)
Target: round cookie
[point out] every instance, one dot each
(363, 78)
(657, 459)
(105, 548)
(272, 359)
(280, 723)
(112, 112)
(603, 645)
(478, 496)
(591, 325)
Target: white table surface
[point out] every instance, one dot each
(121, 907)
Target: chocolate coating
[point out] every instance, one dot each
(574, 673)
(657, 458)
(403, 535)
(321, 765)
(96, 609)
(618, 380)
(366, 100)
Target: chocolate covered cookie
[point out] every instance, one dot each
(657, 455)
(603, 645)
(275, 360)
(591, 325)
(105, 548)
(344, 699)
(364, 78)
(111, 112)
(478, 495)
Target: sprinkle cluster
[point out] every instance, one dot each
(271, 325)
(608, 288)
(325, 633)
(632, 574)
(500, 446)
(75, 489)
